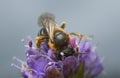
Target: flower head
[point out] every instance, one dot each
(45, 64)
(58, 54)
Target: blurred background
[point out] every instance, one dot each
(100, 18)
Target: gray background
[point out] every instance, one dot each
(101, 18)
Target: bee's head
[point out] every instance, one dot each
(60, 36)
(60, 39)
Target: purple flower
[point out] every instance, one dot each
(72, 42)
(69, 65)
(44, 63)
(93, 65)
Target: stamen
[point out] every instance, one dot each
(31, 70)
(93, 49)
(16, 66)
(17, 59)
(23, 40)
(46, 57)
(30, 74)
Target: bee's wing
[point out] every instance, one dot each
(47, 20)
(50, 29)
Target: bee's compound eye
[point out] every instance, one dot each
(42, 32)
(60, 38)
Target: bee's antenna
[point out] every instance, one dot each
(45, 18)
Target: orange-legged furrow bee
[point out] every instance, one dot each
(57, 37)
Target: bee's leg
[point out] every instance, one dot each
(39, 40)
(81, 36)
(52, 45)
(77, 34)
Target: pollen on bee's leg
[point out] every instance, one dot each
(52, 46)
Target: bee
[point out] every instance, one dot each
(56, 36)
